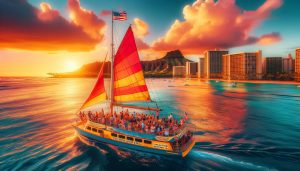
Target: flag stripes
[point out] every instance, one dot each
(120, 15)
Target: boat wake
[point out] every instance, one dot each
(204, 155)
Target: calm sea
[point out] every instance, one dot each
(250, 127)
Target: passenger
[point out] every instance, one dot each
(158, 129)
(139, 122)
(129, 126)
(170, 117)
(143, 126)
(166, 132)
(152, 129)
(181, 121)
(185, 116)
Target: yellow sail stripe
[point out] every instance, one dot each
(134, 79)
(141, 96)
(95, 100)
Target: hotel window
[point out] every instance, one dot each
(122, 136)
(114, 135)
(138, 140)
(94, 129)
(130, 138)
(147, 142)
(89, 128)
(100, 131)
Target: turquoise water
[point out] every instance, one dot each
(250, 127)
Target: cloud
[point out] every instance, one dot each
(140, 30)
(209, 25)
(268, 39)
(105, 13)
(23, 26)
(47, 13)
(86, 19)
(141, 44)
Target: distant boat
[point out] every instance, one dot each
(217, 81)
(298, 86)
(129, 86)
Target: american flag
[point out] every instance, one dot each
(120, 15)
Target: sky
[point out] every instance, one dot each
(38, 37)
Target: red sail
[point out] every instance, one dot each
(129, 82)
(98, 94)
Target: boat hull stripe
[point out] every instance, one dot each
(124, 145)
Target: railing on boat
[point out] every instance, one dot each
(178, 131)
(177, 147)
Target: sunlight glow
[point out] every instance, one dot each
(71, 66)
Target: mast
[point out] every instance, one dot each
(112, 65)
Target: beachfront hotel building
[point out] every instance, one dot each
(201, 67)
(191, 69)
(297, 65)
(179, 71)
(273, 65)
(213, 63)
(242, 66)
(288, 64)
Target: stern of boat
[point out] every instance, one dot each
(188, 147)
(184, 144)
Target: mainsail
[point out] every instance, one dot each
(129, 82)
(98, 94)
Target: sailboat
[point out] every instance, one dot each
(131, 128)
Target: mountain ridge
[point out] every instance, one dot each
(161, 67)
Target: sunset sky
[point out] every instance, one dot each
(37, 37)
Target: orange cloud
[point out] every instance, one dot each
(86, 19)
(141, 44)
(209, 25)
(140, 28)
(268, 39)
(23, 26)
(47, 13)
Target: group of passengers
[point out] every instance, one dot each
(138, 122)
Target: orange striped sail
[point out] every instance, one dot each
(98, 94)
(129, 82)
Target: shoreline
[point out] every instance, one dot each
(261, 81)
(237, 81)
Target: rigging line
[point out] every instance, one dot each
(126, 69)
(142, 70)
(110, 74)
(108, 79)
(154, 92)
(129, 71)
(103, 73)
(117, 37)
(103, 65)
(77, 113)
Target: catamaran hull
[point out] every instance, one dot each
(95, 138)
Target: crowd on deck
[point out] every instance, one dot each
(137, 122)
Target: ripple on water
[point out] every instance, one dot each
(251, 127)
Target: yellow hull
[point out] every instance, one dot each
(108, 135)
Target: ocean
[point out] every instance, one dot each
(248, 127)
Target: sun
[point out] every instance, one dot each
(71, 66)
